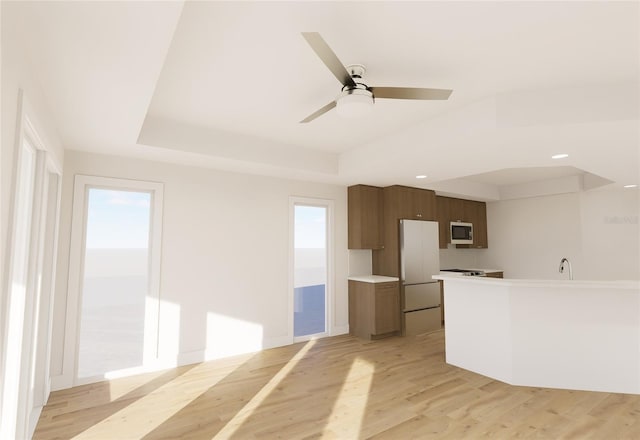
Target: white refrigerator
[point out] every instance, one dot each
(419, 261)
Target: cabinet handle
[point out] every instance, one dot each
(419, 215)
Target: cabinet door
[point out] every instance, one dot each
(365, 217)
(442, 213)
(387, 308)
(424, 203)
(402, 202)
(360, 308)
(457, 211)
(480, 239)
(476, 213)
(410, 203)
(397, 205)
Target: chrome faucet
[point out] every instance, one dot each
(561, 268)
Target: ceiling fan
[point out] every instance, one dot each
(356, 97)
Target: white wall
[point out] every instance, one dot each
(16, 75)
(225, 254)
(596, 230)
(360, 262)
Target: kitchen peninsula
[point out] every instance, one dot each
(582, 335)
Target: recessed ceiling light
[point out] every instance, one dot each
(421, 176)
(631, 186)
(559, 156)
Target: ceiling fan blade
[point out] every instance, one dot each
(320, 112)
(329, 58)
(410, 93)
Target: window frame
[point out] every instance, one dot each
(82, 185)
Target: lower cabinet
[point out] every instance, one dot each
(374, 309)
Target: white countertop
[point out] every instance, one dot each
(615, 284)
(373, 278)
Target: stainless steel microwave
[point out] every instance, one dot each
(461, 233)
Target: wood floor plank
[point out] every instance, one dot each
(333, 388)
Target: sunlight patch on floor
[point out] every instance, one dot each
(241, 416)
(123, 386)
(351, 403)
(140, 421)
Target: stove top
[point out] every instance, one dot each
(465, 272)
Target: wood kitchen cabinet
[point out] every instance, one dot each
(476, 213)
(365, 217)
(443, 206)
(480, 238)
(374, 309)
(494, 274)
(400, 202)
(451, 209)
(410, 203)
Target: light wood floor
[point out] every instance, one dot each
(339, 387)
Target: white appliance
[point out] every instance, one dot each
(419, 261)
(461, 233)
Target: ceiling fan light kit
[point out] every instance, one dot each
(352, 103)
(356, 98)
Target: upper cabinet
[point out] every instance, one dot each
(451, 209)
(365, 212)
(404, 202)
(374, 214)
(400, 202)
(443, 206)
(480, 238)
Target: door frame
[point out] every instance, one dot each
(28, 387)
(82, 185)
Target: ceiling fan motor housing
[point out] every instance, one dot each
(361, 91)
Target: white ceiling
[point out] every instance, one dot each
(518, 176)
(225, 84)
